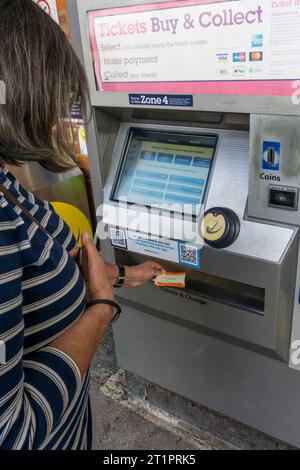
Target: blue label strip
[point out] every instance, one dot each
(185, 101)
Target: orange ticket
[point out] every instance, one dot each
(171, 280)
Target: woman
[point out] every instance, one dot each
(48, 330)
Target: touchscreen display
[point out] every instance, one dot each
(166, 170)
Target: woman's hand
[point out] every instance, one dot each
(138, 275)
(94, 271)
(135, 275)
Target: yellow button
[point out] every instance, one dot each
(213, 226)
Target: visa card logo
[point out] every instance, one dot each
(223, 57)
(239, 57)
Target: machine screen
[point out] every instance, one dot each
(166, 170)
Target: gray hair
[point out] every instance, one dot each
(43, 78)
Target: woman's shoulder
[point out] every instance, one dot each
(14, 185)
(42, 211)
(8, 213)
(20, 245)
(15, 241)
(9, 218)
(12, 229)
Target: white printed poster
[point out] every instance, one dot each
(50, 7)
(190, 45)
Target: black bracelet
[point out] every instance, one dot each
(121, 277)
(107, 302)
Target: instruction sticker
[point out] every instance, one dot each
(271, 155)
(185, 254)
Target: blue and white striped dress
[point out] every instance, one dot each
(44, 404)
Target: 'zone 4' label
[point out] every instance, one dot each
(161, 100)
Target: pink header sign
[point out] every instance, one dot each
(245, 47)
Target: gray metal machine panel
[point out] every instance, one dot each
(295, 336)
(268, 331)
(230, 178)
(253, 389)
(215, 356)
(286, 130)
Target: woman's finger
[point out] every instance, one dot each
(95, 271)
(92, 259)
(74, 253)
(157, 268)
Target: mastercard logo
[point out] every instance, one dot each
(256, 56)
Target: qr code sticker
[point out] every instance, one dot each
(118, 238)
(189, 255)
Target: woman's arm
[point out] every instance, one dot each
(40, 386)
(82, 339)
(135, 275)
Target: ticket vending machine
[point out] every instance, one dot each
(195, 155)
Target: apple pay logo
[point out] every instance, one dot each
(2, 353)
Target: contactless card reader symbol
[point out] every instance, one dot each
(271, 156)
